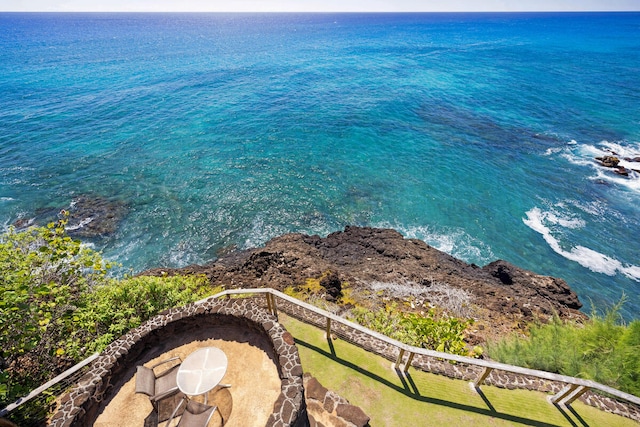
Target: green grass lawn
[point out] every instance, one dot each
(392, 398)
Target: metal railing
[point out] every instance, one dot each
(574, 387)
(70, 373)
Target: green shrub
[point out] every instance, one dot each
(444, 334)
(43, 275)
(629, 349)
(604, 349)
(428, 330)
(114, 308)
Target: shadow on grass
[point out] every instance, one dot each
(578, 417)
(410, 389)
(562, 409)
(484, 398)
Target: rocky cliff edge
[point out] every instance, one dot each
(384, 265)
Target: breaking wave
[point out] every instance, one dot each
(455, 242)
(550, 224)
(585, 155)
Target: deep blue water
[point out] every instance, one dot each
(473, 132)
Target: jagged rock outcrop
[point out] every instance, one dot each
(504, 295)
(608, 161)
(613, 162)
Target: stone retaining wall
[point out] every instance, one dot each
(80, 406)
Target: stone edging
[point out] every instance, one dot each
(327, 408)
(80, 405)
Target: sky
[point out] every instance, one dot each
(317, 5)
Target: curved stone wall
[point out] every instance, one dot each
(80, 406)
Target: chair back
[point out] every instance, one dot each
(195, 414)
(145, 381)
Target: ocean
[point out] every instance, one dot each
(476, 133)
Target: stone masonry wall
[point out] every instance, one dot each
(80, 406)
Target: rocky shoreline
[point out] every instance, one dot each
(502, 297)
(378, 264)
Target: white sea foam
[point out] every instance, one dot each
(6, 199)
(181, 254)
(553, 150)
(455, 242)
(585, 154)
(79, 225)
(261, 231)
(596, 208)
(632, 272)
(544, 222)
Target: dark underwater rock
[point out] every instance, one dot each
(87, 216)
(92, 216)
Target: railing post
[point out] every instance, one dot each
(268, 297)
(564, 393)
(274, 307)
(576, 395)
(407, 365)
(328, 331)
(399, 359)
(271, 304)
(484, 376)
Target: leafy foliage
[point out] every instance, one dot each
(114, 308)
(428, 330)
(43, 275)
(58, 305)
(604, 349)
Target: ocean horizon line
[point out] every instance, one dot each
(324, 12)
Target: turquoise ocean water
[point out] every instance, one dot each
(473, 132)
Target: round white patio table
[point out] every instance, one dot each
(201, 371)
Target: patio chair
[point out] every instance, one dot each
(195, 414)
(159, 386)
